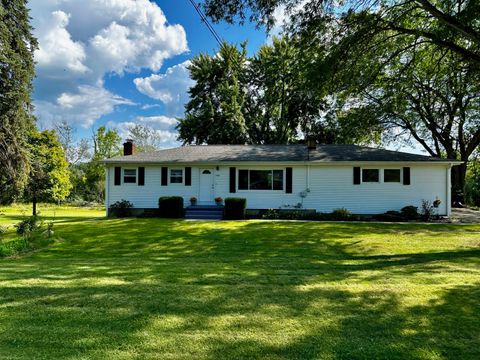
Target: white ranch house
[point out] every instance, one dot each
(324, 177)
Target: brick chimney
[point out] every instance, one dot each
(129, 147)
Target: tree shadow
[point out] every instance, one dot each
(140, 288)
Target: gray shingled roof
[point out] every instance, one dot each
(266, 153)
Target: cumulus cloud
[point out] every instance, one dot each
(170, 87)
(160, 121)
(80, 42)
(82, 107)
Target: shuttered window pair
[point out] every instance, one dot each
(175, 175)
(260, 180)
(129, 176)
(357, 176)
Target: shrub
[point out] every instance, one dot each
(234, 208)
(27, 226)
(340, 214)
(171, 207)
(428, 211)
(409, 212)
(121, 209)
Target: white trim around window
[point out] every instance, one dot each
(274, 179)
(131, 175)
(178, 174)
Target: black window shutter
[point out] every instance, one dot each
(188, 176)
(233, 181)
(288, 180)
(118, 175)
(406, 176)
(164, 176)
(141, 176)
(356, 175)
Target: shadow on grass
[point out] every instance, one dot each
(171, 289)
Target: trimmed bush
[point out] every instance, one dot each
(234, 208)
(409, 212)
(121, 209)
(171, 207)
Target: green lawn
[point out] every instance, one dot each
(166, 289)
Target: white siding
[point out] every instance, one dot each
(331, 187)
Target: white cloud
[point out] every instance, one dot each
(161, 121)
(80, 42)
(170, 88)
(57, 49)
(82, 107)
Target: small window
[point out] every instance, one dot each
(370, 175)
(176, 176)
(206, 172)
(129, 176)
(391, 175)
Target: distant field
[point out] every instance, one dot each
(174, 289)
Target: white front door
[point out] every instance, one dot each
(206, 185)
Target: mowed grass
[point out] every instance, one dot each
(173, 289)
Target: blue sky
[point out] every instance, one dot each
(119, 62)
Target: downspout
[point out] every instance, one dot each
(449, 190)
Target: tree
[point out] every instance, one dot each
(92, 175)
(49, 178)
(214, 113)
(75, 152)
(145, 137)
(16, 74)
(451, 25)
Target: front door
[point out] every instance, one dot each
(206, 185)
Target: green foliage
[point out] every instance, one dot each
(17, 45)
(214, 114)
(472, 184)
(89, 178)
(49, 175)
(234, 208)
(244, 290)
(28, 226)
(121, 208)
(171, 207)
(410, 212)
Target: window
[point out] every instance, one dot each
(176, 176)
(129, 176)
(206, 172)
(260, 179)
(391, 175)
(370, 175)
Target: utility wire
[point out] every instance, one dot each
(205, 20)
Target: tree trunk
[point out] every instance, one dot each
(34, 204)
(458, 183)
